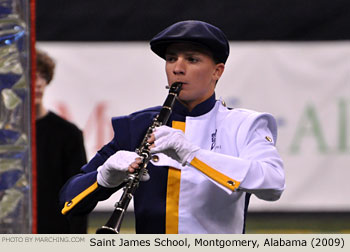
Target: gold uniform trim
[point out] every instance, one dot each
(179, 125)
(173, 193)
(215, 175)
(70, 204)
(172, 201)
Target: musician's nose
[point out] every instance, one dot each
(179, 66)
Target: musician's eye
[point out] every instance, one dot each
(170, 58)
(193, 59)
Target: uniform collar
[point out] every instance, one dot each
(199, 110)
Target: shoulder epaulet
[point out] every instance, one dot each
(147, 110)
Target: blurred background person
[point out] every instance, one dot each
(60, 154)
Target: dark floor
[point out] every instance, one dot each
(260, 223)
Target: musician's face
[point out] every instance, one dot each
(196, 68)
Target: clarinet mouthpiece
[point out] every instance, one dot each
(175, 83)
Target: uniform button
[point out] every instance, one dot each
(223, 103)
(268, 139)
(69, 203)
(231, 183)
(155, 158)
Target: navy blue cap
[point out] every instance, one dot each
(193, 31)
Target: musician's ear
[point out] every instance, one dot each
(218, 71)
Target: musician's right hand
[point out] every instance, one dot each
(116, 168)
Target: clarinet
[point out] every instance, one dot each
(132, 181)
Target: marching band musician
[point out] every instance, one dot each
(206, 161)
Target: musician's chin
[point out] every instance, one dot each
(184, 98)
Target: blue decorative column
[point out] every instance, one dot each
(15, 117)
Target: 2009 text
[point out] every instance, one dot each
(327, 242)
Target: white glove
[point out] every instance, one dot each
(113, 172)
(172, 142)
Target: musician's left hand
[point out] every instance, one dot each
(172, 142)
